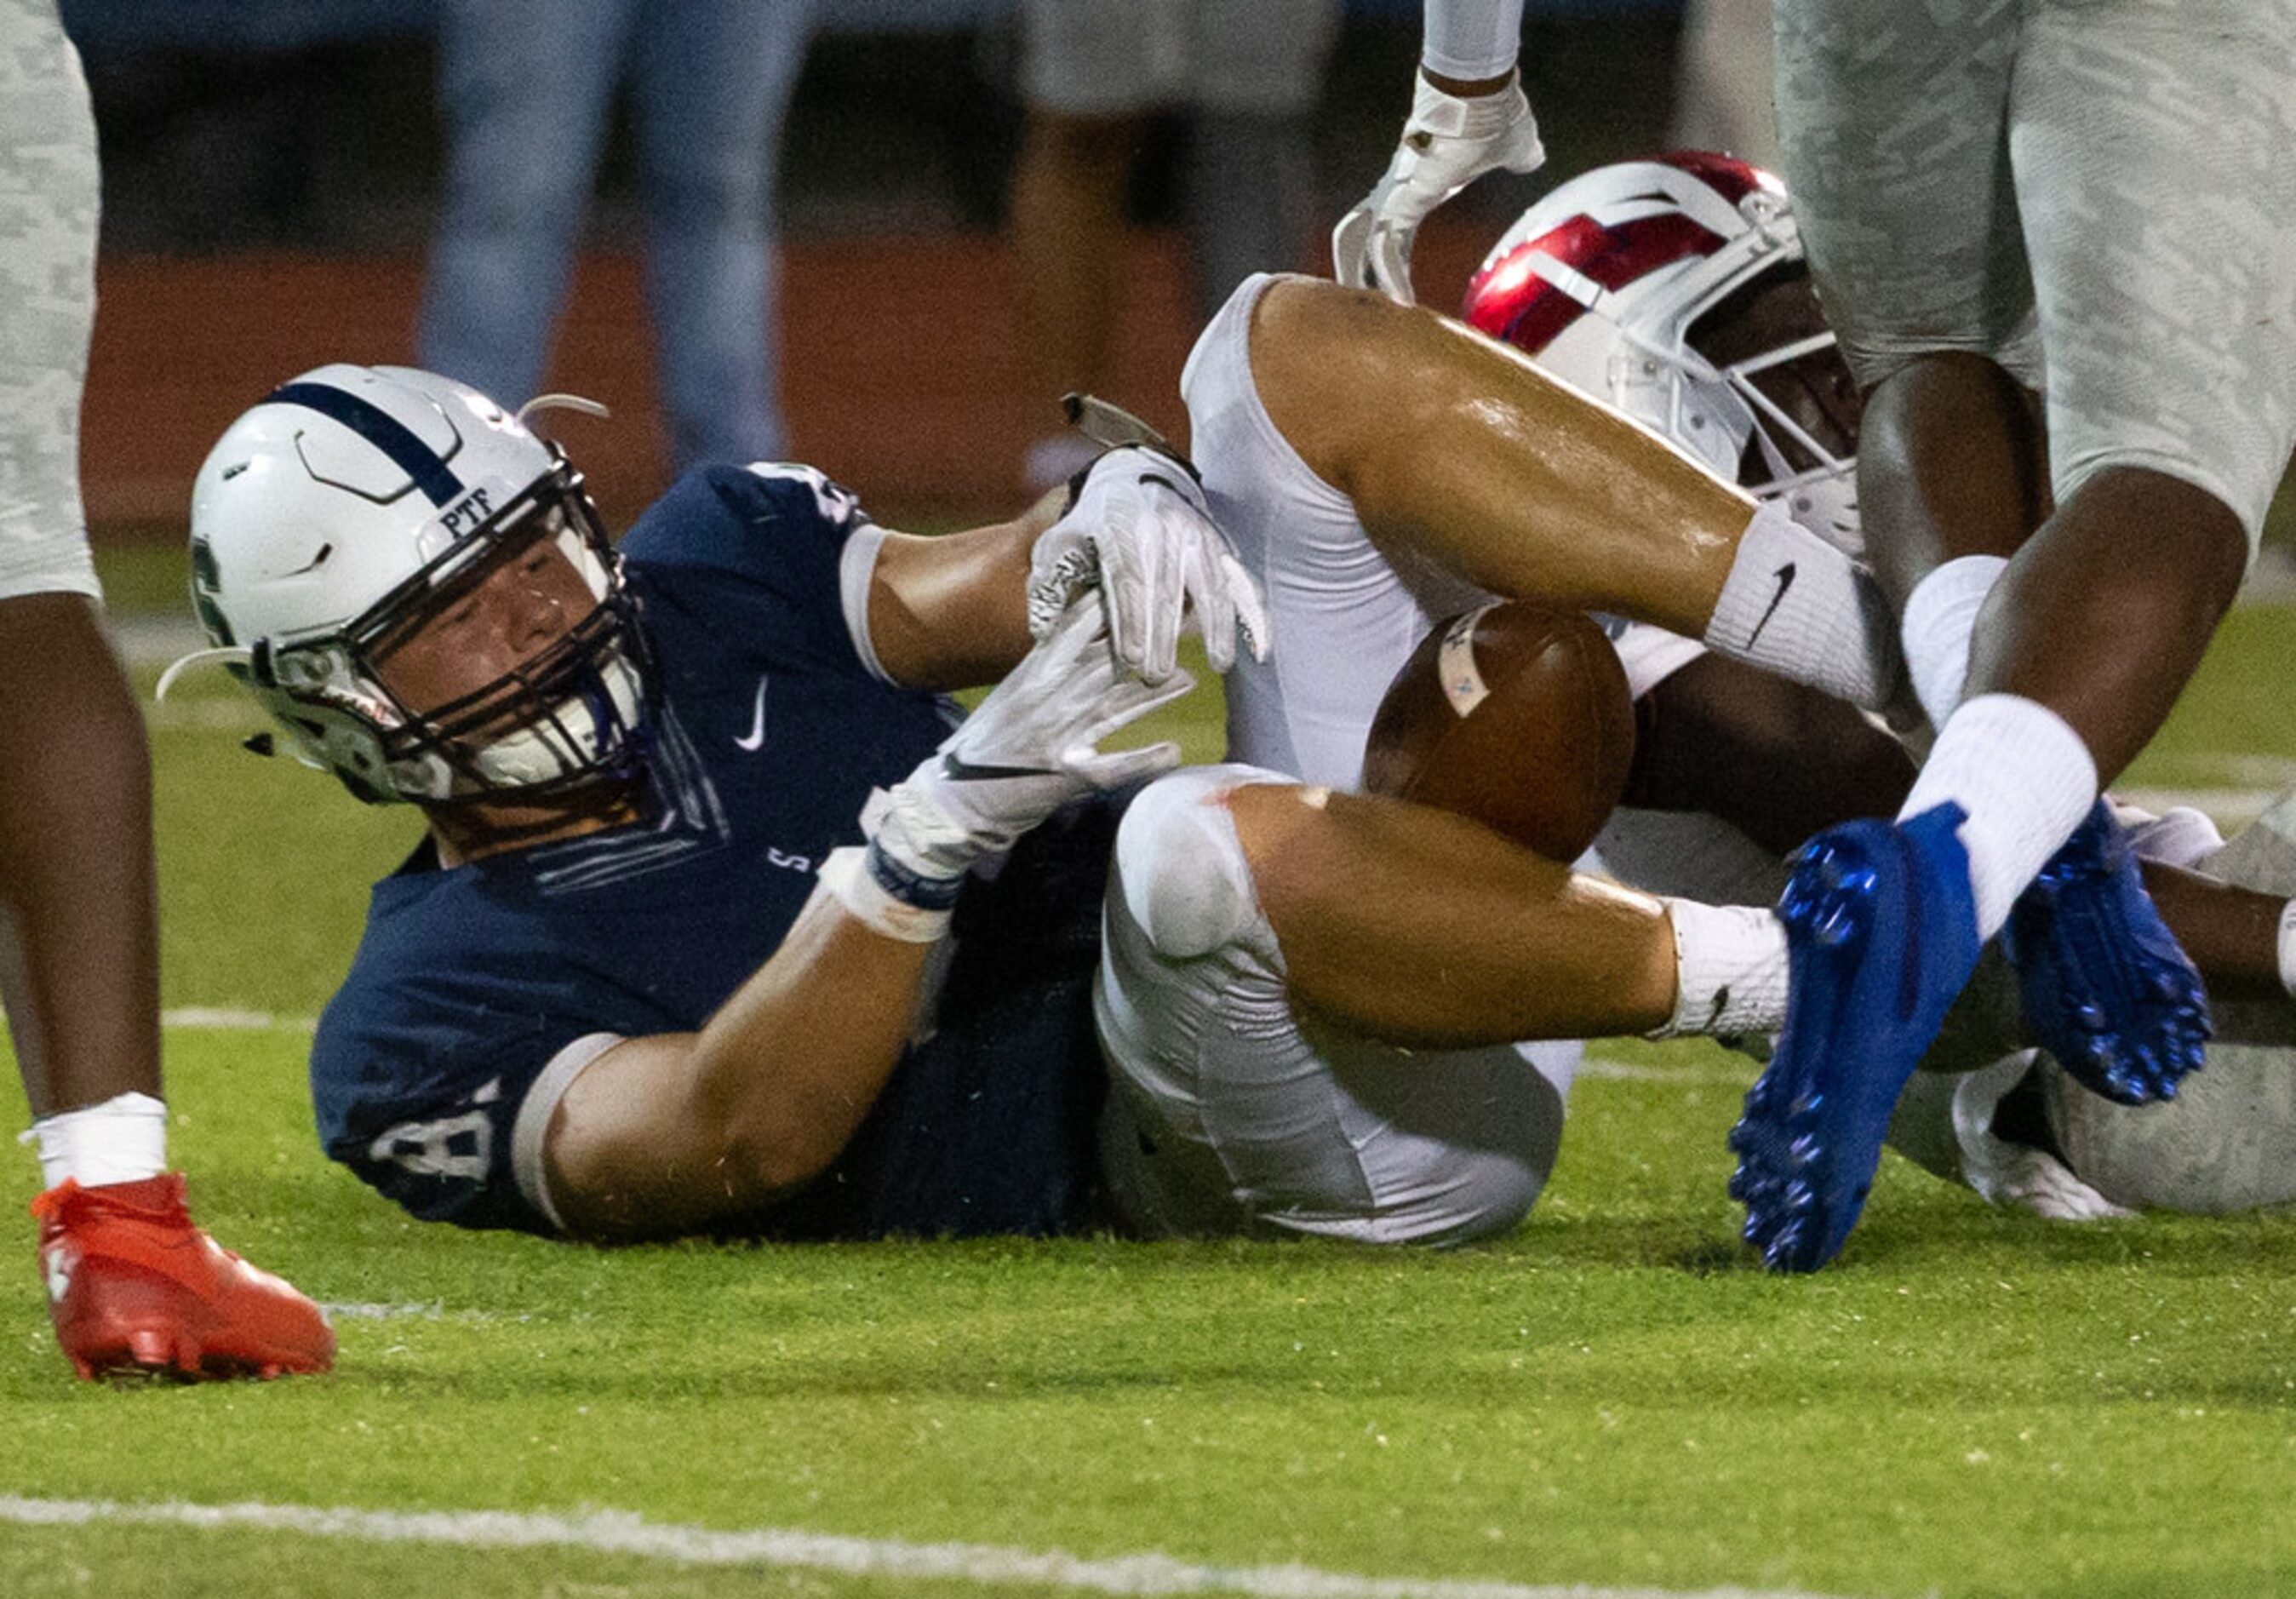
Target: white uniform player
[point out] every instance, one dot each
(132, 1283)
(2169, 345)
(1230, 1111)
(48, 224)
(2227, 1142)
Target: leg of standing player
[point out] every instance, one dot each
(130, 1281)
(2007, 194)
(713, 80)
(1090, 76)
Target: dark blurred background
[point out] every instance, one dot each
(272, 169)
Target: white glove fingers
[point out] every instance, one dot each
(1249, 608)
(1165, 584)
(1210, 580)
(1391, 240)
(1120, 766)
(1125, 703)
(1129, 579)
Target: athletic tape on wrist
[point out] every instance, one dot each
(852, 875)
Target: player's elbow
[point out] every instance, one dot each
(772, 1148)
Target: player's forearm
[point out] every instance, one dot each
(2232, 933)
(952, 612)
(791, 1065)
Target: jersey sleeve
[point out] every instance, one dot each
(770, 557)
(423, 1109)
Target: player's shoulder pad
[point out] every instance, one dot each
(721, 515)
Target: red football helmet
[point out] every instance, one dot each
(1674, 290)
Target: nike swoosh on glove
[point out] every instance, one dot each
(1030, 749)
(1138, 530)
(1447, 142)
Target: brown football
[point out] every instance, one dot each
(1514, 714)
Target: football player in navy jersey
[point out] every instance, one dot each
(645, 974)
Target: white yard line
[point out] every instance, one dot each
(618, 1533)
(220, 1019)
(1702, 1077)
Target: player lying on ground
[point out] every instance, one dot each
(600, 877)
(1264, 937)
(642, 976)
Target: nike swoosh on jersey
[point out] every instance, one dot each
(1785, 577)
(754, 740)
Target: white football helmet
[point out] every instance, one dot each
(1612, 282)
(354, 505)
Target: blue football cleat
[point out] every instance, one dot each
(2106, 988)
(1880, 938)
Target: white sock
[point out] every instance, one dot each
(1730, 971)
(122, 1140)
(1795, 605)
(1941, 615)
(2026, 780)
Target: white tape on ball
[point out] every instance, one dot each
(1454, 662)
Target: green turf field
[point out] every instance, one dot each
(1971, 1403)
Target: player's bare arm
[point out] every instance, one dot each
(665, 1134)
(952, 612)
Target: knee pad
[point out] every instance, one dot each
(1181, 868)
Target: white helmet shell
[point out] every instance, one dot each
(347, 496)
(1603, 281)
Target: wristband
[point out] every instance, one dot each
(878, 892)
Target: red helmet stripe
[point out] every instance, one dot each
(1728, 176)
(1510, 301)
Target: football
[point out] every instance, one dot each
(1514, 714)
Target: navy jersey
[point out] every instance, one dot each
(770, 732)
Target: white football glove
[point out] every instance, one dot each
(1139, 531)
(1447, 142)
(1029, 749)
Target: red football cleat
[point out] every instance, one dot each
(134, 1286)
